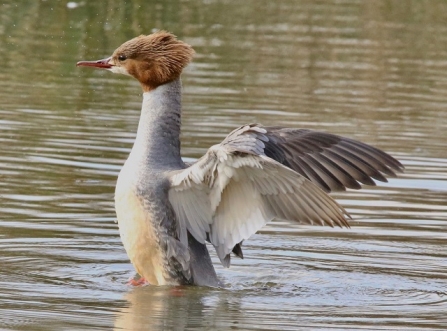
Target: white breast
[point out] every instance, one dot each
(136, 230)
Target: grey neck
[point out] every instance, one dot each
(157, 144)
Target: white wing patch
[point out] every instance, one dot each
(193, 211)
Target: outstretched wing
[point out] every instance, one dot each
(332, 162)
(235, 189)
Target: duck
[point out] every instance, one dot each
(168, 209)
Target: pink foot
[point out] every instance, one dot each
(138, 282)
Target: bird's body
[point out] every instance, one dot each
(146, 222)
(168, 210)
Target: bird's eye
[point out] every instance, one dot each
(122, 57)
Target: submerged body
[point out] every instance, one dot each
(168, 210)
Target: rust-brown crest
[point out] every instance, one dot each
(154, 59)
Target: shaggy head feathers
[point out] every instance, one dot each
(154, 59)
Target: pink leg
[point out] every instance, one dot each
(137, 281)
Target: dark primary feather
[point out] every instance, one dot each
(332, 162)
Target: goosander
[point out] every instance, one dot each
(168, 210)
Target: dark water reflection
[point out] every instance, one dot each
(371, 70)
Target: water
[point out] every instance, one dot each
(373, 71)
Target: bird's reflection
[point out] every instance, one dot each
(177, 308)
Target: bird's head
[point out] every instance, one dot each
(153, 60)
